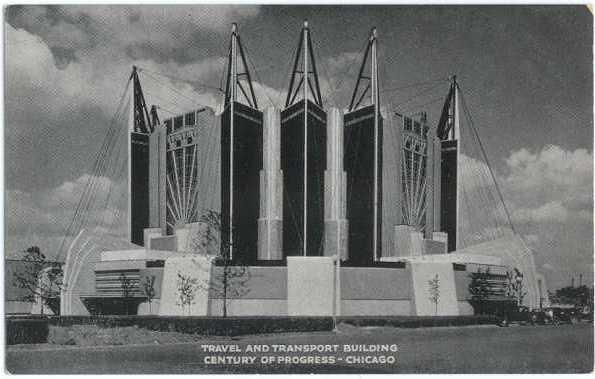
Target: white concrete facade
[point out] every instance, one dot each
(270, 222)
(310, 286)
(336, 225)
(196, 270)
(446, 304)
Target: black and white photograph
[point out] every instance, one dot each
(298, 189)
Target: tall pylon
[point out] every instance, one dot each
(303, 125)
(448, 131)
(308, 75)
(142, 125)
(140, 119)
(235, 75)
(305, 53)
(368, 73)
(448, 125)
(241, 144)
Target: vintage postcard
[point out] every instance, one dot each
(286, 189)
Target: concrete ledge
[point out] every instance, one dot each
(140, 254)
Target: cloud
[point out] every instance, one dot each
(548, 267)
(551, 174)
(532, 238)
(549, 185)
(337, 76)
(551, 212)
(140, 30)
(42, 219)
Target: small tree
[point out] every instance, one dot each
(434, 289)
(127, 287)
(148, 289)
(40, 278)
(207, 241)
(515, 288)
(232, 279)
(187, 287)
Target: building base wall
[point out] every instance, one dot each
(146, 309)
(376, 307)
(305, 286)
(197, 270)
(421, 275)
(310, 286)
(249, 307)
(465, 309)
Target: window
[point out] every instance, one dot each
(417, 127)
(190, 119)
(155, 263)
(408, 123)
(178, 122)
(168, 125)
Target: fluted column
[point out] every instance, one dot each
(270, 222)
(335, 189)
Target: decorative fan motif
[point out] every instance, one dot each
(413, 166)
(182, 177)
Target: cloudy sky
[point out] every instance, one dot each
(526, 74)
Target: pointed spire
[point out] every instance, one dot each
(238, 77)
(369, 76)
(142, 121)
(448, 125)
(304, 79)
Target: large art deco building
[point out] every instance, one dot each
(321, 211)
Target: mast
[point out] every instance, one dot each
(306, 83)
(448, 132)
(375, 100)
(359, 94)
(237, 72)
(139, 123)
(457, 137)
(234, 80)
(131, 123)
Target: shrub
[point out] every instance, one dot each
(34, 330)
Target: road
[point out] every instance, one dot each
(473, 349)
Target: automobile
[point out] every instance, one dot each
(567, 315)
(513, 313)
(586, 313)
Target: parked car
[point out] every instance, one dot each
(586, 313)
(569, 315)
(519, 314)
